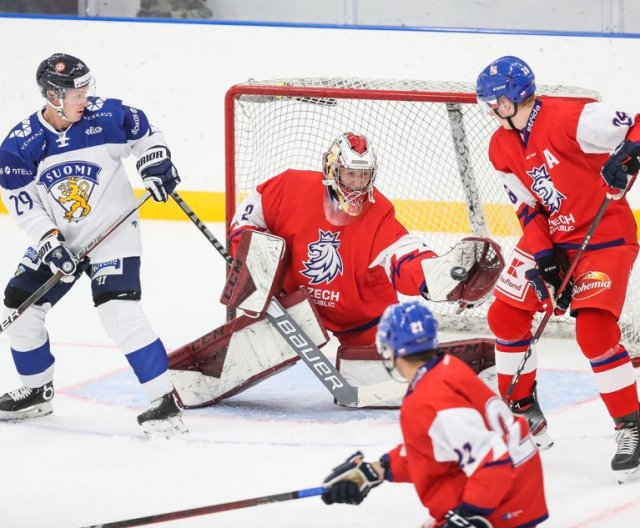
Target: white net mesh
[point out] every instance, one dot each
(431, 141)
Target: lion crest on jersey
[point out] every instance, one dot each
(71, 184)
(325, 261)
(544, 188)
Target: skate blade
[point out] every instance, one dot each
(627, 475)
(543, 441)
(37, 411)
(165, 428)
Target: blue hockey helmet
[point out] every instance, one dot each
(406, 328)
(508, 77)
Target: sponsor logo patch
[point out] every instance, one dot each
(590, 284)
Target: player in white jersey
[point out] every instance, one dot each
(63, 182)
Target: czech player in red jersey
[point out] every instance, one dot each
(553, 158)
(471, 461)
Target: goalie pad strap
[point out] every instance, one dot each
(256, 273)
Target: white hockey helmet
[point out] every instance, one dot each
(350, 167)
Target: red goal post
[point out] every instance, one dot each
(431, 140)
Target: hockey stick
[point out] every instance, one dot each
(344, 393)
(214, 508)
(563, 285)
(55, 278)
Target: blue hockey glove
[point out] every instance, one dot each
(158, 173)
(460, 518)
(351, 481)
(545, 292)
(623, 163)
(54, 253)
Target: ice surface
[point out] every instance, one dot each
(89, 462)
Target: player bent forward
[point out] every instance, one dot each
(553, 159)
(472, 462)
(63, 184)
(346, 252)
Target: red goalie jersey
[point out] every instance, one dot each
(463, 446)
(352, 272)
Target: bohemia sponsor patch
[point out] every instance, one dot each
(589, 284)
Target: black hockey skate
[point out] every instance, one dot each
(530, 409)
(26, 402)
(626, 461)
(163, 418)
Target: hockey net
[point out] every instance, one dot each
(431, 141)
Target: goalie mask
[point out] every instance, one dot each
(350, 170)
(61, 78)
(404, 329)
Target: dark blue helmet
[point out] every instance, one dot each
(508, 76)
(406, 328)
(61, 72)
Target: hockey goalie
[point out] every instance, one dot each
(328, 245)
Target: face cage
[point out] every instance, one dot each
(354, 198)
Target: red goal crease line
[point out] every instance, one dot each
(443, 216)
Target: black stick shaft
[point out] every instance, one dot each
(214, 508)
(563, 286)
(55, 278)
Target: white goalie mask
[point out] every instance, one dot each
(350, 171)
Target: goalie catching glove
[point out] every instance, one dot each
(351, 481)
(467, 273)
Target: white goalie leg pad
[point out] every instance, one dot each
(256, 272)
(437, 270)
(363, 367)
(239, 354)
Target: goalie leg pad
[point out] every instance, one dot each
(239, 354)
(362, 366)
(256, 273)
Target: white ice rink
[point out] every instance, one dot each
(89, 462)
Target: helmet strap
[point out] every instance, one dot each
(58, 108)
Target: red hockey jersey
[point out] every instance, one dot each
(462, 445)
(551, 171)
(352, 272)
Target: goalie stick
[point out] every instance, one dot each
(36, 295)
(343, 392)
(214, 508)
(558, 294)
